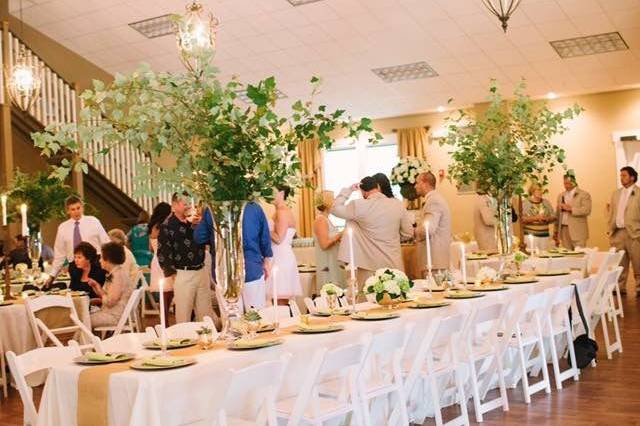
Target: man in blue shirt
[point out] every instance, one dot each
(256, 244)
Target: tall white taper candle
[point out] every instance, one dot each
(352, 262)
(463, 264)
(531, 244)
(23, 213)
(274, 281)
(163, 324)
(428, 243)
(3, 198)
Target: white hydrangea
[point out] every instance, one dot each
(331, 288)
(392, 287)
(486, 275)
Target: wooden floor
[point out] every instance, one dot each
(606, 395)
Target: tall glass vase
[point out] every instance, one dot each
(229, 260)
(504, 239)
(35, 250)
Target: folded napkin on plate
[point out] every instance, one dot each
(99, 356)
(172, 342)
(304, 326)
(252, 342)
(162, 361)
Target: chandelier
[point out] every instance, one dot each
(196, 35)
(24, 82)
(502, 9)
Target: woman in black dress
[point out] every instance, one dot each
(85, 268)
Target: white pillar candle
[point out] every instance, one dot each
(23, 213)
(463, 264)
(3, 199)
(428, 243)
(352, 263)
(274, 282)
(163, 336)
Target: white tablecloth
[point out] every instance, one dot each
(190, 395)
(537, 264)
(15, 329)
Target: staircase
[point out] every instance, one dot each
(111, 176)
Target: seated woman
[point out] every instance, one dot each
(119, 237)
(85, 268)
(117, 288)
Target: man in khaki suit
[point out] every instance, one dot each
(484, 223)
(436, 211)
(624, 224)
(574, 207)
(378, 223)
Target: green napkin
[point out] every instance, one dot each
(99, 356)
(172, 342)
(162, 361)
(249, 343)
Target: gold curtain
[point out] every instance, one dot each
(311, 168)
(412, 142)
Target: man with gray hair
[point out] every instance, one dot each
(435, 211)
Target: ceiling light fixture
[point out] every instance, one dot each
(551, 95)
(502, 9)
(196, 32)
(301, 2)
(24, 82)
(440, 108)
(413, 71)
(589, 45)
(157, 26)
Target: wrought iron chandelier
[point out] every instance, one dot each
(502, 9)
(24, 82)
(196, 32)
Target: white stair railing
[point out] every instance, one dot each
(57, 104)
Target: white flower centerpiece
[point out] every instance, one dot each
(390, 286)
(405, 174)
(486, 276)
(331, 292)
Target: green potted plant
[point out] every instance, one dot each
(504, 147)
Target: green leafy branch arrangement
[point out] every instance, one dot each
(507, 145)
(199, 134)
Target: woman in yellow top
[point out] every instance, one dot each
(537, 216)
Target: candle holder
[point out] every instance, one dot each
(353, 285)
(430, 282)
(7, 281)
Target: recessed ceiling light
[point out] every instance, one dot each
(551, 95)
(155, 27)
(440, 108)
(413, 71)
(242, 95)
(301, 2)
(589, 45)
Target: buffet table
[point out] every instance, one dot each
(192, 395)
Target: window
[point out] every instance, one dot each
(348, 162)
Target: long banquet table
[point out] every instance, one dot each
(191, 395)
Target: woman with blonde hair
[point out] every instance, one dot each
(327, 239)
(537, 215)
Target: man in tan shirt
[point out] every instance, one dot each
(624, 224)
(574, 207)
(378, 223)
(436, 211)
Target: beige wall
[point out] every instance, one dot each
(589, 146)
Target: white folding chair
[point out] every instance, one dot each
(309, 404)
(617, 307)
(148, 305)
(283, 311)
(311, 307)
(30, 362)
(484, 352)
(127, 321)
(382, 373)
(187, 330)
(257, 382)
(125, 342)
(528, 341)
(607, 307)
(3, 369)
(41, 331)
(436, 363)
(558, 325)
